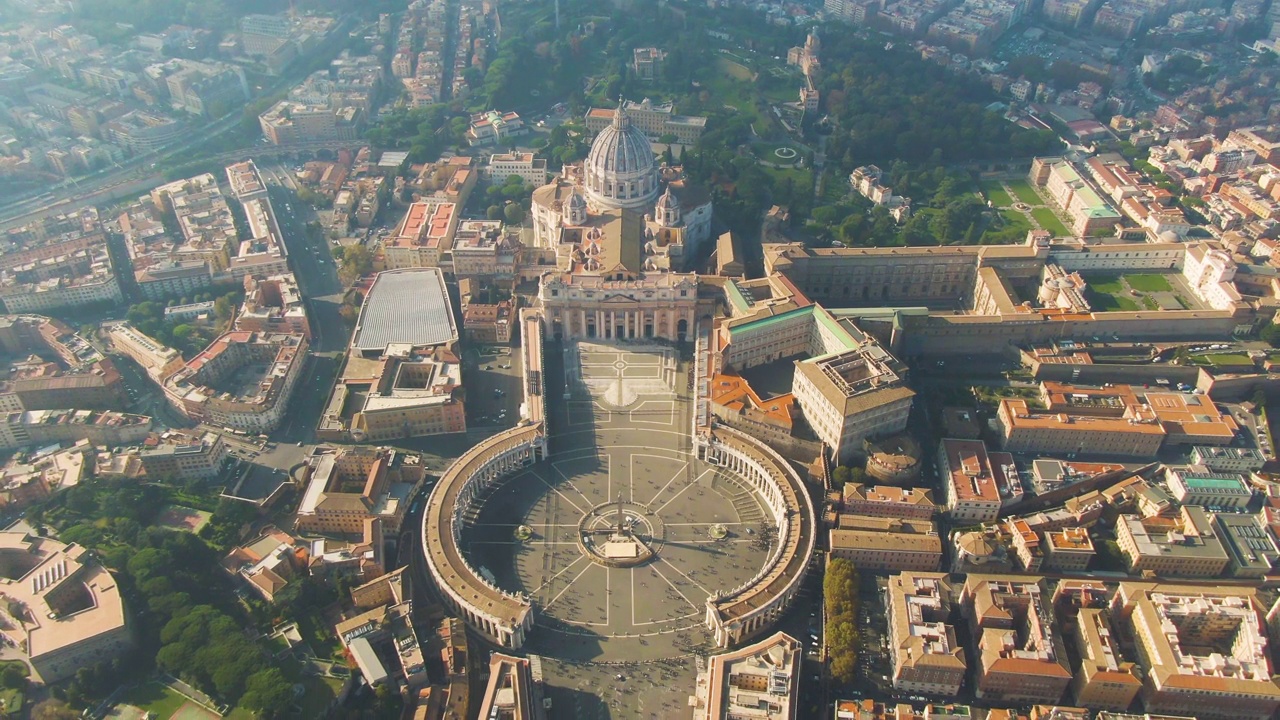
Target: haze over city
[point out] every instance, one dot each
(711, 359)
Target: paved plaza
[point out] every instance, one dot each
(621, 434)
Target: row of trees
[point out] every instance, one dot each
(845, 474)
(840, 600)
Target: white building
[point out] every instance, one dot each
(532, 170)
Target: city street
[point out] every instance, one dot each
(310, 260)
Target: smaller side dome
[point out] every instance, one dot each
(668, 201)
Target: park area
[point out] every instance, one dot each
(1134, 292)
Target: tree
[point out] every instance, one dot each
(357, 262)
(513, 213)
(13, 676)
(840, 476)
(223, 308)
(1270, 334)
(53, 710)
(268, 693)
(494, 212)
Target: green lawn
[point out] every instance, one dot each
(320, 637)
(727, 87)
(1049, 221)
(1025, 192)
(1011, 227)
(765, 151)
(11, 701)
(733, 68)
(1148, 282)
(155, 697)
(995, 192)
(1106, 284)
(1223, 360)
(801, 178)
(320, 692)
(1109, 302)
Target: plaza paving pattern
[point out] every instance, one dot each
(623, 432)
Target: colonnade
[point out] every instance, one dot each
(507, 454)
(622, 324)
(772, 480)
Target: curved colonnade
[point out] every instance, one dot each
(506, 618)
(749, 609)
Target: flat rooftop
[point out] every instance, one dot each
(410, 307)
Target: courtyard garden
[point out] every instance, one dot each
(1109, 292)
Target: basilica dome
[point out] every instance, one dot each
(620, 171)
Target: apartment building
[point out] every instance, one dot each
(159, 361)
(243, 380)
(178, 456)
(288, 123)
(45, 427)
(1204, 651)
(1199, 486)
(54, 368)
(1021, 657)
(273, 305)
(1184, 545)
(976, 482)
(1067, 550)
(1028, 550)
(343, 487)
(926, 657)
(1105, 679)
(882, 543)
(888, 501)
